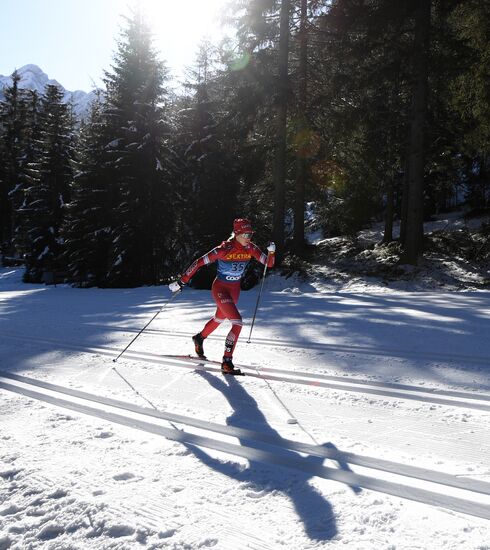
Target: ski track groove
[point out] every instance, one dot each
(384, 389)
(336, 347)
(265, 454)
(242, 433)
(277, 342)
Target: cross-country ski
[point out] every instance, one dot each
(203, 361)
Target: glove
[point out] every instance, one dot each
(271, 248)
(176, 286)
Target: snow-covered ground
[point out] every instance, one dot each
(456, 258)
(390, 391)
(449, 221)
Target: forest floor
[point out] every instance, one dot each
(457, 257)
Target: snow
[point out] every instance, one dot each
(390, 388)
(362, 264)
(113, 143)
(43, 253)
(447, 221)
(33, 78)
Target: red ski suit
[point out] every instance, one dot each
(232, 259)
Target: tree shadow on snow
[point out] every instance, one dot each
(314, 511)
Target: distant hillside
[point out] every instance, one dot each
(33, 78)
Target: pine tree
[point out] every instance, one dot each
(248, 126)
(29, 155)
(414, 231)
(48, 192)
(280, 167)
(86, 227)
(301, 161)
(358, 96)
(468, 96)
(365, 65)
(208, 156)
(141, 160)
(262, 74)
(12, 125)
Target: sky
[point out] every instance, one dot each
(73, 41)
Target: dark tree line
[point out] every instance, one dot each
(367, 108)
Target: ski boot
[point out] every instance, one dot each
(198, 345)
(227, 367)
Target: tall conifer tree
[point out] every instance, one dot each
(87, 225)
(208, 157)
(30, 153)
(48, 192)
(12, 126)
(140, 158)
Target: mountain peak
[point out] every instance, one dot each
(32, 77)
(30, 68)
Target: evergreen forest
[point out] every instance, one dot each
(356, 110)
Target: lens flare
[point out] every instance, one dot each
(327, 174)
(306, 143)
(239, 63)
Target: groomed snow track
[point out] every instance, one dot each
(459, 494)
(463, 399)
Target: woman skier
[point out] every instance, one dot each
(233, 257)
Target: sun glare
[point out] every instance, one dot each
(179, 27)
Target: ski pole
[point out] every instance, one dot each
(142, 330)
(258, 298)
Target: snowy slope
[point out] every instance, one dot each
(456, 258)
(33, 78)
(390, 390)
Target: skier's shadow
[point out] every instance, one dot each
(314, 511)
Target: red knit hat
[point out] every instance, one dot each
(242, 225)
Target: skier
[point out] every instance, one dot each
(233, 257)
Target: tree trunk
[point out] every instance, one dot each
(413, 235)
(389, 213)
(299, 202)
(404, 206)
(281, 121)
